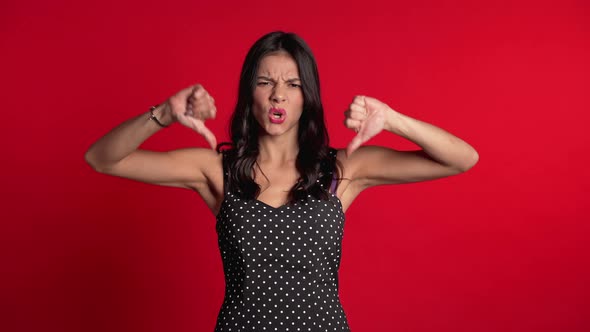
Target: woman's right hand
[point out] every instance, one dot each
(191, 107)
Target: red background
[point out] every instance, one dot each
(503, 247)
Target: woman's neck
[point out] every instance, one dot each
(277, 149)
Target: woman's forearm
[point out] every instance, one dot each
(441, 146)
(124, 139)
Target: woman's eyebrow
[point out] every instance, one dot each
(270, 79)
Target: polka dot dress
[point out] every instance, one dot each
(281, 265)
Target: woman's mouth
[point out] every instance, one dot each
(277, 115)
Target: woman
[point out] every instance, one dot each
(279, 191)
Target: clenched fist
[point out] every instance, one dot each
(191, 107)
(366, 116)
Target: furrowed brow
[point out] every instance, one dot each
(270, 79)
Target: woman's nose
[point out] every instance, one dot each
(278, 95)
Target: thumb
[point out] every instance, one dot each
(356, 142)
(207, 134)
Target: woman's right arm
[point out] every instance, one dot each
(117, 153)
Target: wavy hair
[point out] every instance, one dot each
(314, 163)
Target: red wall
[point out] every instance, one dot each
(503, 247)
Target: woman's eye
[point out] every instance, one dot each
(294, 85)
(262, 83)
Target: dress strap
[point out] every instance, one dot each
(334, 184)
(225, 163)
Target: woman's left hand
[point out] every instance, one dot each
(366, 116)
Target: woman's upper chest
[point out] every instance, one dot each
(275, 183)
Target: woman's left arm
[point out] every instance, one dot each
(442, 154)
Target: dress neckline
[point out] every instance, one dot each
(280, 207)
(270, 206)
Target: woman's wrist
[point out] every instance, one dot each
(161, 115)
(395, 122)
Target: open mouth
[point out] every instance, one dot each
(277, 115)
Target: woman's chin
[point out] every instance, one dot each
(272, 129)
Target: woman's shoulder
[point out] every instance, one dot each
(210, 170)
(199, 155)
(338, 153)
(207, 163)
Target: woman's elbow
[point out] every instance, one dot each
(91, 160)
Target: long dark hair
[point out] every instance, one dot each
(314, 163)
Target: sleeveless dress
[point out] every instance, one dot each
(281, 264)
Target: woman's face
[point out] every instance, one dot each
(278, 98)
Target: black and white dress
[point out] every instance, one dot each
(281, 264)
